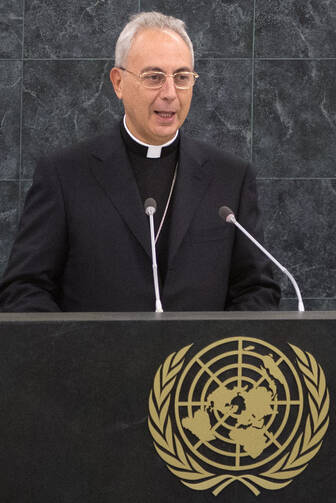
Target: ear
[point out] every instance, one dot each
(116, 79)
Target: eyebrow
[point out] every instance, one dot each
(158, 69)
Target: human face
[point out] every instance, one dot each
(154, 115)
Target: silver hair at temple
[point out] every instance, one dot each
(147, 20)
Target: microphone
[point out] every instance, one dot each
(227, 214)
(150, 209)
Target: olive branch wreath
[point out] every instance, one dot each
(193, 475)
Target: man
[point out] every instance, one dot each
(84, 243)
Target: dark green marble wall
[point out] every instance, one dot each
(267, 92)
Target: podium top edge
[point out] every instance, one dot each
(167, 316)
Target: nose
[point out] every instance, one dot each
(168, 90)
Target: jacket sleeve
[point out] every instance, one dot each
(251, 285)
(31, 281)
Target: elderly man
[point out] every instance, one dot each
(84, 243)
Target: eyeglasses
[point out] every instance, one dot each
(155, 80)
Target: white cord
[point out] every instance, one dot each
(167, 205)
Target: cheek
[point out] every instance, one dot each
(185, 105)
(141, 105)
(133, 106)
(132, 97)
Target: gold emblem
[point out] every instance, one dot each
(240, 414)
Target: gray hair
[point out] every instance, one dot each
(147, 20)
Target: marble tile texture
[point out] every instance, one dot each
(11, 28)
(295, 118)
(79, 29)
(64, 102)
(300, 231)
(24, 188)
(9, 192)
(222, 98)
(10, 116)
(303, 28)
(266, 93)
(217, 28)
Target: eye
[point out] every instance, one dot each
(182, 78)
(153, 77)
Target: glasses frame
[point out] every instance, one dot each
(140, 75)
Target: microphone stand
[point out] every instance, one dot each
(228, 216)
(150, 209)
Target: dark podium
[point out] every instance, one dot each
(172, 407)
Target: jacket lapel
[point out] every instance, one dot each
(192, 181)
(114, 174)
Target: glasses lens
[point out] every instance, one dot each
(153, 79)
(184, 80)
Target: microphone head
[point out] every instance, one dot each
(226, 214)
(150, 206)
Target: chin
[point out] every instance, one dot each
(164, 134)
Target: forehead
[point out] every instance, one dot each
(160, 49)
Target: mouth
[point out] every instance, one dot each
(165, 114)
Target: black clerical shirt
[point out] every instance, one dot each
(154, 177)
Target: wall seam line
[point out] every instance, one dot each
(21, 108)
(252, 83)
(256, 58)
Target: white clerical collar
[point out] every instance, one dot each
(153, 151)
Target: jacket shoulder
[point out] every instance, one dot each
(219, 159)
(81, 153)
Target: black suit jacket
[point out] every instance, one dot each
(84, 245)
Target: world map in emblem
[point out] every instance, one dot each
(238, 403)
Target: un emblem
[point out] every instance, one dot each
(239, 414)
